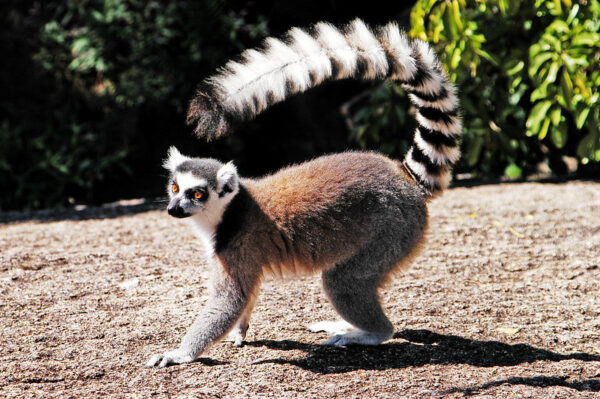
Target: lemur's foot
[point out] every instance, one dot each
(171, 357)
(357, 337)
(235, 336)
(332, 327)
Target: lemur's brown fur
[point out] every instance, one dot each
(308, 208)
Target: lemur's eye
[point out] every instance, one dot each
(198, 195)
(175, 188)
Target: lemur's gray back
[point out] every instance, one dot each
(302, 60)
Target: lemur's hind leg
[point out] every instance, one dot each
(352, 289)
(238, 333)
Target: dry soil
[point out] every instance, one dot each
(503, 301)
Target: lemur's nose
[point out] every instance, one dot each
(176, 211)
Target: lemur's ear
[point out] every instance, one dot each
(174, 159)
(227, 179)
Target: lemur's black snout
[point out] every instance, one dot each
(177, 211)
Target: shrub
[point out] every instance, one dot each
(528, 77)
(92, 82)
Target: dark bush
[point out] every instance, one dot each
(87, 76)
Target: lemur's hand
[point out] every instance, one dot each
(171, 357)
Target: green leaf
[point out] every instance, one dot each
(512, 171)
(538, 60)
(559, 26)
(582, 117)
(557, 9)
(502, 6)
(536, 49)
(455, 60)
(449, 22)
(488, 57)
(80, 45)
(559, 135)
(539, 93)
(516, 95)
(555, 115)
(516, 68)
(574, 62)
(537, 114)
(552, 41)
(516, 83)
(544, 129)
(456, 14)
(572, 14)
(586, 39)
(552, 72)
(477, 38)
(566, 88)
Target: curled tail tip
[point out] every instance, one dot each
(207, 117)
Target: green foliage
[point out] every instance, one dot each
(528, 78)
(130, 50)
(563, 64)
(89, 74)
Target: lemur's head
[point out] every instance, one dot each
(199, 185)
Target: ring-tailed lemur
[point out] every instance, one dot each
(356, 216)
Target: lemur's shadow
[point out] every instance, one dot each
(427, 347)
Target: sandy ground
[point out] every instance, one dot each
(504, 301)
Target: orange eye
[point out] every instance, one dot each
(175, 188)
(198, 195)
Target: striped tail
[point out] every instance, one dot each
(302, 60)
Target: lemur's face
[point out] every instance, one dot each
(189, 194)
(198, 186)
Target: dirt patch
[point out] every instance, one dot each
(504, 301)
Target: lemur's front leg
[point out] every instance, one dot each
(229, 297)
(238, 333)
